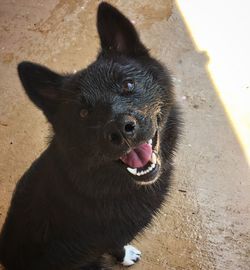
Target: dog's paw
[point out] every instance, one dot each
(132, 255)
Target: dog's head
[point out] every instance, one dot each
(113, 112)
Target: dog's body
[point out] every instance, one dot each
(102, 179)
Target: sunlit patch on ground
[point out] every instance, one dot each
(221, 28)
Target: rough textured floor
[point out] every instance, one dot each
(205, 223)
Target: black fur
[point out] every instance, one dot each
(77, 201)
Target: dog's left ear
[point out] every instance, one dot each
(117, 33)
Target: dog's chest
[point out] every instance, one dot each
(122, 217)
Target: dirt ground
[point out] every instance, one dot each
(205, 223)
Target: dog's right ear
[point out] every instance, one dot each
(42, 85)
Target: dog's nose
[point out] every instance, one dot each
(117, 131)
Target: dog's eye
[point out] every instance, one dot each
(128, 86)
(83, 113)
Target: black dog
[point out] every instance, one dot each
(106, 170)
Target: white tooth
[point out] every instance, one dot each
(138, 174)
(150, 141)
(133, 171)
(153, 165)
(153, 158)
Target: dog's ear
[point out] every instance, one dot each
(42, 85)
(117, 33)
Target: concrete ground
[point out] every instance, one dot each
(205, 223)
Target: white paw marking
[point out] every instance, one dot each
(132, 255)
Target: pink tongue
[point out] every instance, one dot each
(139, 156)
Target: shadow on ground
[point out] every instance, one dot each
(205, 223)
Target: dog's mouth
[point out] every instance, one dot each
(143, 161)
